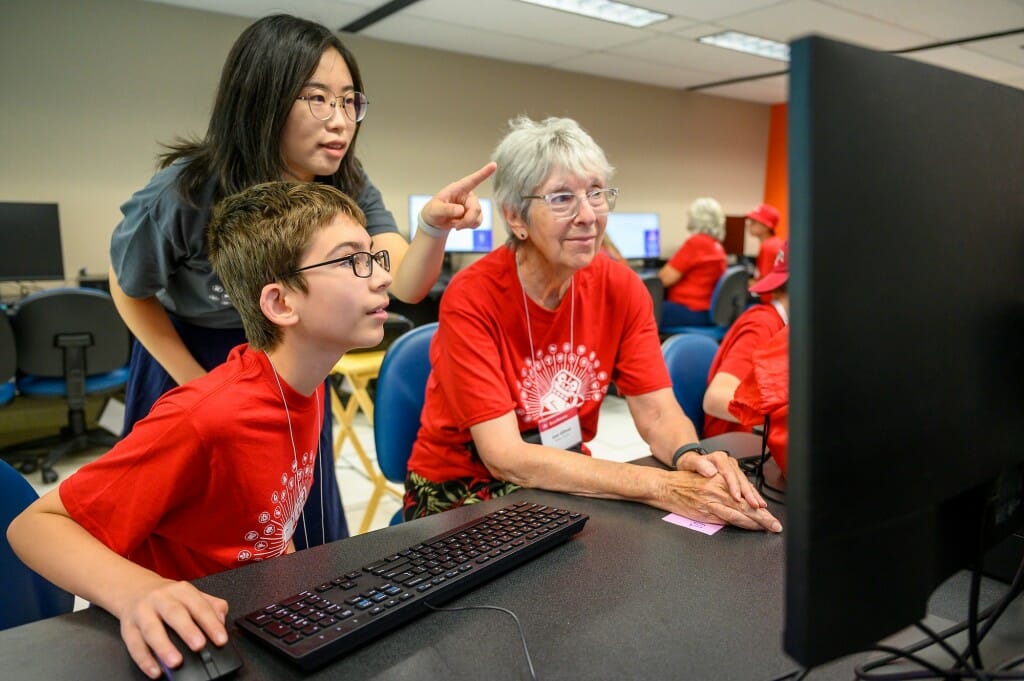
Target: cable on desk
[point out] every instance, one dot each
(754, 466)
(962, 669)
(522, 636)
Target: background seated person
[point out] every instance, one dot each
(762, 397)
(734, 358)
(690, 275)
(530, 337)
(761, 223)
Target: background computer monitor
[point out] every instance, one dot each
(636, 235)
(30, 247)
(906, 413)
(479, 240)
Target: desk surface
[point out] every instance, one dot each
(630, 597)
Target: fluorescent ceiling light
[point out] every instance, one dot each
(607, 10)
(751, 44)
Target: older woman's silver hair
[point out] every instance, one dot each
(706, 217)
(532, 150)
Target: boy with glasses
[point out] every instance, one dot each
(217, 475)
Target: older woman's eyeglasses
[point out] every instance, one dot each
(322, 103)
(361, 263)
(567, 204)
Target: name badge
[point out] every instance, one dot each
(561, 430)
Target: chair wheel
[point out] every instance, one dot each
(49, 476)
(28, 467)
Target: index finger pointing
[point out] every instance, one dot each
(469, 182)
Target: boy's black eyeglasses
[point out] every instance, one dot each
(361, 263)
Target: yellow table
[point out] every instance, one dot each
(360, 368)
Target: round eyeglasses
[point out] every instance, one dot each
(361, 263)
(322, 103)
(566, 205)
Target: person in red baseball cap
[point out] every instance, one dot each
(762, 222)
(735, 356)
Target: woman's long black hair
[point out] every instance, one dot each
(262, 77)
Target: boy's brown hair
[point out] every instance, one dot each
(260, 234)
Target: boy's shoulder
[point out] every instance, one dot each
(220, 383)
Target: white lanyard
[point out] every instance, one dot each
(295, 452)
(572, 312)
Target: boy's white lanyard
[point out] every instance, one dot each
(295, 452)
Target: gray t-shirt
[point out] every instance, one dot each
(159, 248)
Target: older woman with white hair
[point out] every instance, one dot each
(531, 336)
(691, 274)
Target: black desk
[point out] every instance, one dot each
(630, 597)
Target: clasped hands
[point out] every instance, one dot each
(713, 489)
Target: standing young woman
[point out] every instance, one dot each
(288, 107)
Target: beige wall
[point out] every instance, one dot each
(88, 90)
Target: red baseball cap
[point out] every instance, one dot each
(766, 214)
(779, 274)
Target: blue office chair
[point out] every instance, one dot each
(8, 361)
(71, 343)
(689, 357)
(398, 402)
(25, 596)
(728, 301)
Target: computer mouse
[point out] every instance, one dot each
(211, 662)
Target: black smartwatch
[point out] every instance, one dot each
(692, 447)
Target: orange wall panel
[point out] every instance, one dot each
(776, 179)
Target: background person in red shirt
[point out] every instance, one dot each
(690, 275)
(761, 223)
(735, 356)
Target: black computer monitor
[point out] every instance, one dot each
(906, 419)
(30, 248)
(636, 235)
(479, 240)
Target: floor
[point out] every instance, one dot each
(617, 439)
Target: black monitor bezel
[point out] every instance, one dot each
(905, 420)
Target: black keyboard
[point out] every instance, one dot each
(318, 625)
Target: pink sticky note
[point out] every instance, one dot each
(703, 528)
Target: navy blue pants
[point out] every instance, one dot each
(677, 314)
(147, 381)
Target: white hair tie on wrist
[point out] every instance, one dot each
(430, 230)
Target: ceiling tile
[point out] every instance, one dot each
(635, 70)
(773, 90)
(413, 30)
(666, 53)
(788, 20)
(940, 19)
(687, 52)
(972, 63)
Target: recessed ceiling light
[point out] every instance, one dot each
(606, 10)
(751, 44)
